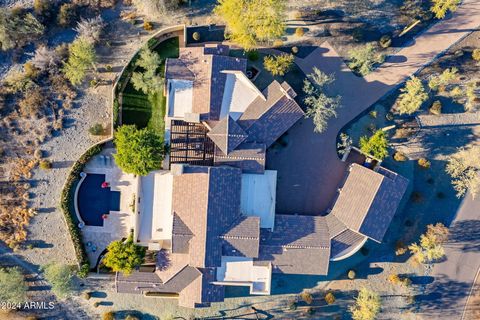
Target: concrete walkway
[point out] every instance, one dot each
(310, 185)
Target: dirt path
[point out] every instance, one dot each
(309, 187)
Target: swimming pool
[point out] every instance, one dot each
(93, 201)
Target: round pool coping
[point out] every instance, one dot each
(81, 223)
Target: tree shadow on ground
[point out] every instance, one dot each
(465, 234)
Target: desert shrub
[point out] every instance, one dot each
(471, 96)
(385, 41)
(278, 65)
(441, 7)
(399, 156)
(358, 34)
(13, 288)
(45, 164)
(86, 295)
(464, 167)
(147, 26)
(416, 197)
(90, 29)
(124, 256)
(436, 108)
(344, 143)
(249, 23)
(109, 315)
(42, 8)
(376, 145)
(389, 116)
(430, 247)
(307, 297)
(60, 278)
(299, 32)
(412, 97)
(363, 59)
(17, 28)
(373, 114)
(456, 92)
(155, 8)
(32, 103)
(424, 163)
(295, 50)
(96, 304)
(329, 298)
(402, 133)
(30, 70)
(367, 305)
(132, 317)
(394, 278)
(351, 274)
(196, 36)
(400, 248)
(446, 77)
(81, 58)
(67, 14)
(311, 311)
(97, 130)
(253, 55)
(476, 55)
(292, 305)
(38, 154)
(277, 43)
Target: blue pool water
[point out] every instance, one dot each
(94, 201)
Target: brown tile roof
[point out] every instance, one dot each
(181, 235)
(201, 292)
(344, 242)
(227, 135)
(298, 244)
(250, 157)
(266, 120)
(368, 200)
(242, 238)
(207, 200)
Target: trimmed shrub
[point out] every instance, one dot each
(147, 26)
(299, 32)
(476, 55)
(97, 130)
(399, 156)
(45, 164)
(436, 108)
(253, 55)
(329, 298)
(277, 43)
(351, 274)
(86, 295)
(424, 163)
(400, 248)
(110, 315)
(196, 36)
(295, 50)
(385, 41)
(307, 297)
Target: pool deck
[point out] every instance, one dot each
(119, 223)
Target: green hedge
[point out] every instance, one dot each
(68, 207)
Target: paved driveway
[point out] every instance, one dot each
(308, 168)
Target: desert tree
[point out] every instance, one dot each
(412, 96)
(252, 21)
(90, 29)
(464, 169)
(376, 145)
(124, 256)
(278, 65)
(139, 151)
(441, 7)
(363, 59)
(81, 57)
(18, 28)
(148, 80)
(60, 277)
(430, 247)
(13, 288)
(367, 305)
(320, 105)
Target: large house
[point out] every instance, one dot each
(210, 219)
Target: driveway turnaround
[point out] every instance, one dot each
(309, 169)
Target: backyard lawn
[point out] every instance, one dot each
(149, 110)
